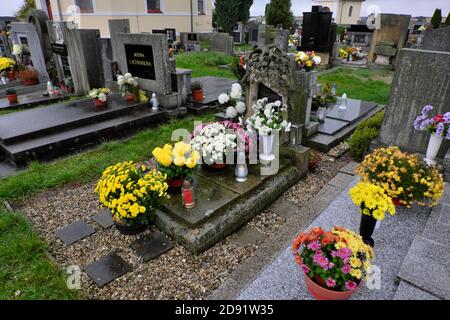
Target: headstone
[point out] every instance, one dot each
(437, 40)
(238, 33)
(266, 35)
(252, 29)
(5, 44)
(23, 33)
(222, 42)
(360, 36)
(117, 26)
(282, 40)
(190, 41)
(421, 78)
(316, 31)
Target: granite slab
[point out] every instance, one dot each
(107, 269)
(356, 109)
(331, 126)
(74, 232)
(104, 219)
(152, 245)
(31, 100)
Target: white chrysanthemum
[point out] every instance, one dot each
(317, 60)
(102, 97)
(121, 82)
(303, 56)
(128, 75)
(240, 107)
(277, 103)
(236, 94)
(236, 87)
(224, 98)
(17, 49)
(231, 112)
(93, 94)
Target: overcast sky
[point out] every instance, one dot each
(413, 7)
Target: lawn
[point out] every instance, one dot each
(205, 64)
(362, 84)
(25, 270)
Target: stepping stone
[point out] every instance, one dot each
(104, 219)
(152, 246)
(247, 236)
(74, 232)
(284, 208)
(406, 291)
(350, 168)
(342, 180)
(107, 269)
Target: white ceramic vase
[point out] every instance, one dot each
(266, 148)
(433, 148)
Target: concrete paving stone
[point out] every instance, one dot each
(74, 232)
(406, 291)
(247, 236)
(350, 168)
(341, 180)
(438, 225)
(104, 219)
(107, 269)
(284, 208)
(427, 266)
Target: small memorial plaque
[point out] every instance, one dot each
(140, 61)
(192, 37)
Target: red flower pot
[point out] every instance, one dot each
(12, 98)
(197, 95)
(215, 167)
(30, 82)
(99, 104)
(130, 97)
(11, 75)
(321, 293)
(175, 185)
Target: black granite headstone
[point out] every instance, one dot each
(140, 61)
(316, 31)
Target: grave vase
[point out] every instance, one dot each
(366, 228)
(12, 98)
(11, 75)
(130, 97)
(99, 104)
(433, 148)
(266, 147)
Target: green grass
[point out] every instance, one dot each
(25, 270)
(362, 84)
(205, 64)
(88, 166)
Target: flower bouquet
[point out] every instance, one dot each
(404, 177)
(129, 86)
(132, 195)
(233, 102)
(178, 163)
(373, 203)
(307, 60)
(266, 119)
(334, 262)
(351, 53)
(7, 66)
(438, 126)
(100, 97)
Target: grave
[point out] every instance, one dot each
(239, 33)
(170, 33)
(222, 42)
(421, 78)
(25, 35)
(282, 40)
(437, 39)
(212, 88)
(253, 31)
(5, 44)
(360, 36)
(266, 35)
(146, 56)
(190, 41)
(31, 100)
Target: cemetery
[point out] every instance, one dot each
(255, 161)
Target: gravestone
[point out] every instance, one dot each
(421, 78)
(253, 29)
(23, 33)
(437, 40)
(266, 35)
(78, 56)
(238, 33)
(317, 32)
(222, 42)
(190, 41)
(110, 67)
(5, 44)
(171, 34)
(117, 26)
(282, 40)
(360, 36)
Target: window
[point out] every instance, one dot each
(201, 6)
(86, 6)
(154, 6)
(350, 11)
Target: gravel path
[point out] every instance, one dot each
(177, 274)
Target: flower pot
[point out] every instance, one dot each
(215, 167)
(11, 75)
(433, 148)
(366, 228)
(30, 82)
(131, 230)
(99, 104)
(266, 148)
(12, 98)
(175, 185)
(397, 203)
(322, 293)
(130, 97)
(197, 95)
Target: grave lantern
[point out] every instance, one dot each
(295, 135)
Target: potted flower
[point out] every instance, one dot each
(11, 94)
(267, 119)
(216, 143)
(100, 97)
(333, 262)
(438, 126)
(177, 162)
(7, 66)
(373, 202)
(129, 86)
(29, 76)
(197, 91)
(132, 194)
(404, 177)
(232, 102)
(307, 60)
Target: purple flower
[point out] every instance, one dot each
(330, 282)
(425, 124)
(344, 253)
(448, 134)
(418, 122)
(350, 285)
(314, 246)
(447, 117)
(440, 129)
(305, 268)
(346, 268)
(331, 265)
(426, 110)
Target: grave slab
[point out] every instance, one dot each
(355, 110)
(74, 232)
(350, 168)
(152, 246)
(107, 269)
(331, 126)
(284, 208)
(341, 180)
(31, 100)
(247, 236)
(406, 291)
(104, 219)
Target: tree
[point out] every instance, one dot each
(279, 12)
(25, 9)
(447, 20)
(228, 13)
(436, 19)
